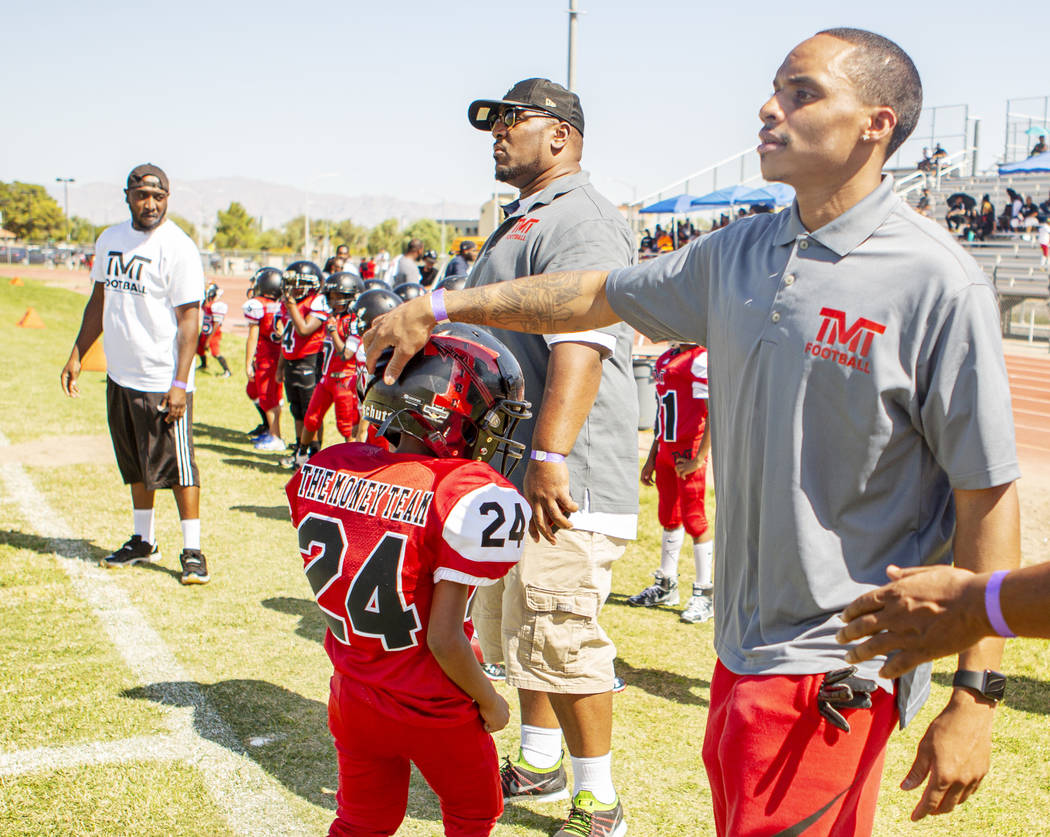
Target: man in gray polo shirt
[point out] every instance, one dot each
(583, 457)
(861, 417)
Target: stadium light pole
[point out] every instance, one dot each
(574, 14)
(65, 181)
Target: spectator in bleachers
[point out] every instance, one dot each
(1044, 208)
(925, 164)
(1043, 237)
(923, 206)
(939, 155)
(1029, 214)
(1039, 147)
(985, 218)
(956, 216)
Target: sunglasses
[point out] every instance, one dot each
(511, 116)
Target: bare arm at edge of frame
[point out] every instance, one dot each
(90, 329)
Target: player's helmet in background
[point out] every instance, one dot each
(452, 283)
(212, 292)
(266, 283)
(376, 284)
(341, 289)
(302, 278)
(370, 305)
(410, 290)
(461, 395)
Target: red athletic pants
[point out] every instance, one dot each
(268, 387)
(209, 342)
(341, 392)
(680, 500)
(777, 768)
(374, 751)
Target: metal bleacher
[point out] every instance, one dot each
(1011, 260)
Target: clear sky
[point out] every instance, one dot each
(370, 97)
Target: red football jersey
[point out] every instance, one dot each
(334, 364)
(681, 394)
(293, 344)
(263, 312)
(213, 312)
(377, 531)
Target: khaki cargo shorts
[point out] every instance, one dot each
(551, 636)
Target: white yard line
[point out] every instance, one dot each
(249, 798)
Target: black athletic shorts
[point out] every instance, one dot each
(300, 378)
(148, 449)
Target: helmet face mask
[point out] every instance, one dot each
(461, 396)
(301, 279)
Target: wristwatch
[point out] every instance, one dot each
(989, 684)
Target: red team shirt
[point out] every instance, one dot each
(334, 364)
(377, 531)
(293, 344)
(681, 393)
(262, 312)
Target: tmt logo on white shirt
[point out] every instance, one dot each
(130, 271)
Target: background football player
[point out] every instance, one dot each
(393, 578)
(677, 459)
(338, 384)
(365, 309)
(262, 354)
(213, 312)
(303, 313)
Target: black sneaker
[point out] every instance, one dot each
(663, 592)
(261, 430)
(135, 551)
(194, 567)
(520, 780)
(290, 461)
(590, 818)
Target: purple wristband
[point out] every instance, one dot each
(546, 456)
(437, 305)
(991, 605)
(179, 384)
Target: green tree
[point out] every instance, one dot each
(386, 236)
(352, 235)
(236, 229)
(30, 212)
(84, 232)
(428, 231)
(184, 225)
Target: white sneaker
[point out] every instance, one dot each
(700, 606)
(269, 443)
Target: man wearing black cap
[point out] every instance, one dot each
(459, 265)
(148, 287)
(584, 461)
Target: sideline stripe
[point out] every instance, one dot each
(138, 748)
(249, 798)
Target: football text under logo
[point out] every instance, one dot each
(124, 275)
(846, 345)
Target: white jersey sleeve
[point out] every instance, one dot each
(699, 370)
(253, 311)
(484, 531)
(319, 308)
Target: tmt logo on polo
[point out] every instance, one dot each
(125, 276)
(521, 228)
(845, 345)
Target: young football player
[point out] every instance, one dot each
(213, 312)
(365, 309)
(262, 355)
(302, 316)
(338, 382)
(394, 545)
(678, 458)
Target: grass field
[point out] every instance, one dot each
(226, 734)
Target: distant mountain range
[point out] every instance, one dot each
(275, 203)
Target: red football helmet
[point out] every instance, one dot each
(460, 395)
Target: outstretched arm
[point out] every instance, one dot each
(90, 329)
(544, 304)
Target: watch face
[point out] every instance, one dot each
(994, 685)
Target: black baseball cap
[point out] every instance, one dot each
(139, 174)
(538, 93)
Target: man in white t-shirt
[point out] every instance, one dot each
(148, 287)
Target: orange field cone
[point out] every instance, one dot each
(94, 359)
(17, 282)
(31, 319)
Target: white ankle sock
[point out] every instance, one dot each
(540, 746)
(670, 546)
(594, 775)
(191, 534)
(702, 553)
(143, 522)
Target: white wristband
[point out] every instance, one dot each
(546, 456)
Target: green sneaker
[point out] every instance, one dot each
(590, 818)
(520, 780)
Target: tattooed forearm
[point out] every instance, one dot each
(537, 304)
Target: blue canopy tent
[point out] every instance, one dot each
(729, 196)
(670, 206)
(1038, 163)
(772, 194)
